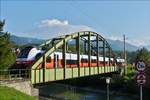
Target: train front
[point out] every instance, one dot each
(26, 57)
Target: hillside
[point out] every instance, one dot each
(119, 45)
(115, 44)
(24, 40)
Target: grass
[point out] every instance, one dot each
(7, 93)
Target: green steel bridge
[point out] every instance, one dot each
(93, 44)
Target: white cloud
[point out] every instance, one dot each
(114, 38)
(50, 28)
(53, 22)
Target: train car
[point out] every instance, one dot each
(29, 54)
(120, 62)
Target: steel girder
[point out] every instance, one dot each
(66, 38)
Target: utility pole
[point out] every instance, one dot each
(124, 52)
(141, 93)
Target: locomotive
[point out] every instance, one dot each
(28, 55)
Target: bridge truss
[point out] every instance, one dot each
(93, 44)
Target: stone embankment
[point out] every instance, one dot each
(24, 86)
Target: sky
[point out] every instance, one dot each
(46, 19)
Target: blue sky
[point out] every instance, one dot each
(46, 19)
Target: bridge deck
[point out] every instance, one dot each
(61, 74)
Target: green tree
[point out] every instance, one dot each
(1, 25)
(131, 56)
(7, 57)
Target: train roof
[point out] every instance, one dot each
(120, 60)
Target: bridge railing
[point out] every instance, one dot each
(15, 74)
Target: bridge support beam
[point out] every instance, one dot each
(104, 55)
(109, 59)
(97, 47)
(85, 51)
(64, 57)
(89, 52)
(66, 46)
(44, 67)
(78, 53)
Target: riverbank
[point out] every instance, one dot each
(7, 93)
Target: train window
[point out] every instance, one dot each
(48, 59)
(71, 62)
(94, 61)
(24, 52)
(84, 60)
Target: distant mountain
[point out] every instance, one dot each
(115, 44)
(148, 47)
(24, 40)
(119, 45)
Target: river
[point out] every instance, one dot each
(57, 91)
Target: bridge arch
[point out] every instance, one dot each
(41, 75)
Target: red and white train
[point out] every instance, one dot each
(28, 55)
